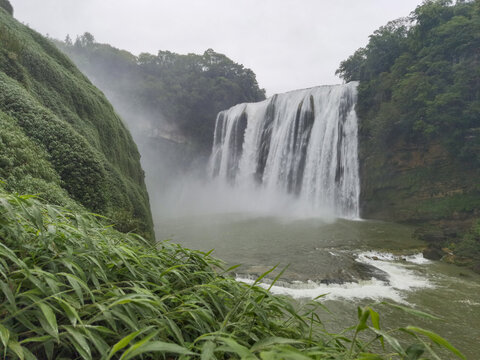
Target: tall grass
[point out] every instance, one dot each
(72, 288)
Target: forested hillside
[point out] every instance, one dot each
(419, 105)
(178, 96)
(419, 110)
(59, 136)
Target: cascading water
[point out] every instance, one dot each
(302, 143)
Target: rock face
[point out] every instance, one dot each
(433, 253)
(416, 184)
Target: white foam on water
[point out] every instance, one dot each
(401, 280)
(386, 256)
(417, 259)
(468, 302)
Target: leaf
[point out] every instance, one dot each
(268, 342)
(376, 323)
(391, 340)
(278, 277)
(4, 335)
(208, 350)
(159, 346)
(69, 310)
(36, 339)
(175, 329)
(436, 339)
(79, 342)
(8, 294)
(138, 345)
(366, 356)
(284, 353)
(414, 351)
(375, 318)
(363, 315)
(50, 317)
(240, 350)
(122, 343)
(231, 268)
(264, 274)
(16, 348)
(412, 311)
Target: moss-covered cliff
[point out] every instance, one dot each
(416, 183)
(60, 137)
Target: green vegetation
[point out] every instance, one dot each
(469, 247)
(71, 288)
(60, 137)
(419, 110)
(420, 78)
(5, 4)
(185, 91)
(419, 106)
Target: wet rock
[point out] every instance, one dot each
(433, 253)
(366, 272)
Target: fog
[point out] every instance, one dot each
(289, 44)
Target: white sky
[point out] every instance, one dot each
(289, 44)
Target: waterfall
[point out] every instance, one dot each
(302, 143)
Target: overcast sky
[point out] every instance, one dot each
(289, 44)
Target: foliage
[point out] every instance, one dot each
(5, 4)
(426, 71)
(25, 166)
(469, 246)
(71, 288)
(185, 90)
(68, 127)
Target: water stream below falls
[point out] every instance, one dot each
(354, 262)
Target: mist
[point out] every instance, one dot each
(289, 45)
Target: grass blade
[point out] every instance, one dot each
(436, 339)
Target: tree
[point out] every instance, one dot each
(86, 40)
(68, 40)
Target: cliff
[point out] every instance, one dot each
(60, 137)
(416, 183)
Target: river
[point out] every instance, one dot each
(353, 262)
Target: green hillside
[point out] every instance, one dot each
(419, 132)
(419, 110)
(60, 137)
(168, 92)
